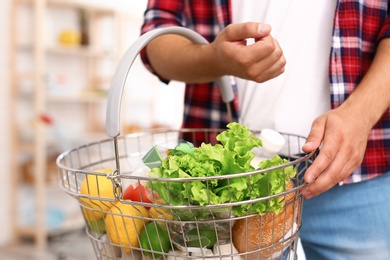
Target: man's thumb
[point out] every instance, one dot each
(316, 135)
(238, 32)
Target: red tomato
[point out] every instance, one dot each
(136, 192)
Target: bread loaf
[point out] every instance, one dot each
(263, 233)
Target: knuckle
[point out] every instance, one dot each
(326, 156)
(316, 169)
(356, 157)
(282, 69)
(317, 121)
(269, 47)
(282, 62)
(314, 189)
(245, 62)
(245, 28)
(264, 78)
(335, 178)
(228, 30)
(261, 80)
(278, 53)
(253, 73)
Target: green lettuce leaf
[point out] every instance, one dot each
(233, 155)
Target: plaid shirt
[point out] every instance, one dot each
(352, 52)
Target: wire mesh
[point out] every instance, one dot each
(156, 227)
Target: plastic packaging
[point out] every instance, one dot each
(159, 152)
(273, 143)
(227, 250)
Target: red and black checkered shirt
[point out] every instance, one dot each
(358, 27)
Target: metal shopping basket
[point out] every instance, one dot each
(150, 226)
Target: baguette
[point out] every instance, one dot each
(263, 233)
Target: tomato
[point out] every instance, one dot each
(137, 192)
(154, 238)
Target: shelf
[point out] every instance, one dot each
(26, 147)
(77, 50)
(93, 96)
(25, 75)
(74, 4)
(87, 97)
(80, 51)
(43, 77)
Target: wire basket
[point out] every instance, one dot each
(114, 224)
(127, 217)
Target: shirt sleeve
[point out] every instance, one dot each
(385, 30)
(160, 14)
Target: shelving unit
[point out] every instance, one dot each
(31, 87)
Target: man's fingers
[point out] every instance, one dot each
(241, 31)
(337, 171)
(319, 165)
(328, 152)
(316, 135)
(266, 60)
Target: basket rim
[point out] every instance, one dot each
(298, 158)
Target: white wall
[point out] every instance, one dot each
(5, 218)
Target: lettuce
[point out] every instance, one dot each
(232, 155)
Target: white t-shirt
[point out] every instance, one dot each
(290, 102)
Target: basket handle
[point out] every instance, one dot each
(120, 75)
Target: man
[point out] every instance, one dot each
(352, 126)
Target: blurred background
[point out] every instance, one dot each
(57, 58)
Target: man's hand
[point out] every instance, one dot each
(343, 132)
(259, 62)
(176, 58)
(343, 136)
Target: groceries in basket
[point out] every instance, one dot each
(206, 201)
(93, 210)
(219, 163)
